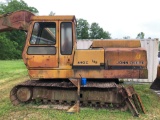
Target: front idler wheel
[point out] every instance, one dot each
(24, 94)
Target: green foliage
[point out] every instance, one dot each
(96, 32)
(18, 37)
(85, 31)
(14, 5)
(82, 29)
(8, 48)
(126, 37)
(12, 43)
(140, 35)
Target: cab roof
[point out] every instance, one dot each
(54, 18)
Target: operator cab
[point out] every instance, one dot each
(50, 42)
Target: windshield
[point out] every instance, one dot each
(44, 33)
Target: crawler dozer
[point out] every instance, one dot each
(63, 75)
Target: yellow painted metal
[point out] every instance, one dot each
(79, 62)
(91, 73)
(111, 43)
(53, 18)
(40, 61)
(36, 74)
(126, 57)
(92, 57)
(66, 61)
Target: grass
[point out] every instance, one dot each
(14, 72)
(10, 70)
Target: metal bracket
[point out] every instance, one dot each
(76, 107)
(132, 100)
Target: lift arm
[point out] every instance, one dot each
(15, 20)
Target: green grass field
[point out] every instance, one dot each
(14, 72)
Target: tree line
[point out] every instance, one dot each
(93, 31)
(12, 42)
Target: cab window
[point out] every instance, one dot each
(66, 38)
(43, 39)
(44, 33)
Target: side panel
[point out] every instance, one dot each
(126, 57)
(93, 57)
(110, 43)
(50, 74)
(95, 73)
(42, 61)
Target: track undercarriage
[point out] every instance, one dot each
(98, 94)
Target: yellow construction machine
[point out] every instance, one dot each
(63, 75)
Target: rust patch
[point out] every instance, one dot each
(124, 74)
(125, 57)
(15, 20)
(42, 61)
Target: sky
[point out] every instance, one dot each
(119, 17)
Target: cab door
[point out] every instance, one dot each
(66, 44)
(42, 51)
